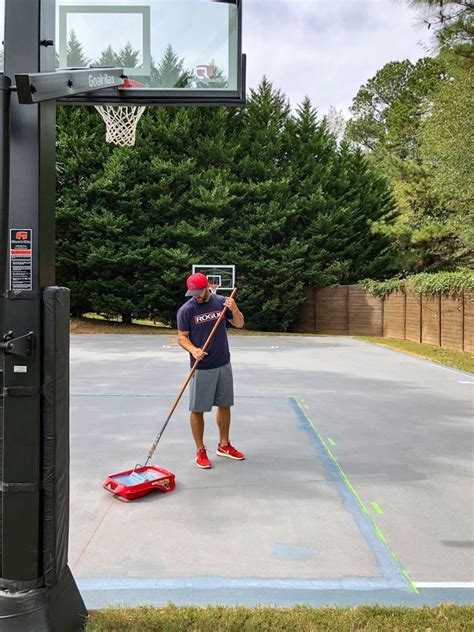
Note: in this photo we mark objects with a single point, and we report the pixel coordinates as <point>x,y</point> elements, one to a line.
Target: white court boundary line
<point>414,357</point>
<point>444,584</point>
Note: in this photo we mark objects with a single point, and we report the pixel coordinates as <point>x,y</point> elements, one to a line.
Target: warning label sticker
<point>21,259</point>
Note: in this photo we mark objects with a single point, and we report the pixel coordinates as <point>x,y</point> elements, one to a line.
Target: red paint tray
<point>140,481</point>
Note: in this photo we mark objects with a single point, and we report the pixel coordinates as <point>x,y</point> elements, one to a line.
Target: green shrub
<point>448,283</point>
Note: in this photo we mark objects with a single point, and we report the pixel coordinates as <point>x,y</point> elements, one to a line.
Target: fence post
<point>440,313</point>
<point>315,323</point>
<point>383,315</point>
<point>421,317</point>
<point>347,310</point>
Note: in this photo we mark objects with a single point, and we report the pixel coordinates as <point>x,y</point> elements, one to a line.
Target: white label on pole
<point>20,369</point>
<point>21,259</point>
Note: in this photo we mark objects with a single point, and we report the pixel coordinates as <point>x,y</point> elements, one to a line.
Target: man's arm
<point>237,319</point>
<point>187,345</point>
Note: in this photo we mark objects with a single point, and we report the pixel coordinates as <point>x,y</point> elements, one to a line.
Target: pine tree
<point>108,58</point>
<point>452,22</point>
<point>315,212</point>
<point>171,72</point>
<point>336,196</point>
<point>446,142</point>
<point>75,53</point>
<point>127,57</point>
<point>257,187</point>
<point>81,152</point>
<point>267,254</point>
<point>392,110</point>
<point>116,223</point>
<point>361,198</point>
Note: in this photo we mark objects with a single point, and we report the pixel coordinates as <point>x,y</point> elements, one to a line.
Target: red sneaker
<point>202,460</point>
<point>230,452</point>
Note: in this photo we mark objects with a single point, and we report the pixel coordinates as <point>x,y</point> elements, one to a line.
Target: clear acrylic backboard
<point>221,277</point>
<point>177,49</point>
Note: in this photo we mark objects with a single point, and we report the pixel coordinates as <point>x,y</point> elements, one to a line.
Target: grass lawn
<point>456,359</point>
<point>441,618</point>
<point>96,325</point>
<point>93,324</point>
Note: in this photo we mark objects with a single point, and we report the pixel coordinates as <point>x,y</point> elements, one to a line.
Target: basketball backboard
<point>181,51</point>
<point>221,277</point>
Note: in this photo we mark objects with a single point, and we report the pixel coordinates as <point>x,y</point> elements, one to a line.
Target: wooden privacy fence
<point>405,315</point>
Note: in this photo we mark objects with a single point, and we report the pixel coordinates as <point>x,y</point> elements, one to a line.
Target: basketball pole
<point>37,590</point>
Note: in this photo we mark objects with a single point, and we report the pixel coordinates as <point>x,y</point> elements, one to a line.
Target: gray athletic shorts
<point>211,387</point>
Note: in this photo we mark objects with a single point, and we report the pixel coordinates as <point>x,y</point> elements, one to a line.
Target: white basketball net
<point>121,122</point>
<point>213,287</point>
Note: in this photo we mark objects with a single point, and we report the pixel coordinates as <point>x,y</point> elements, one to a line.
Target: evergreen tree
<point>118,254</point>
<point>81,153</point>
<point>387,111</point>
<point>171,72</point>
<point>127,57</point>
<point>268,255</point>
<point>337,195</point>
<point>75,53</point>
<point>446,150</point>
<point>392,110</point>
<point>453,24</point>
<point>362,197</point>
<point>256,187</point>
<point>108,57</point>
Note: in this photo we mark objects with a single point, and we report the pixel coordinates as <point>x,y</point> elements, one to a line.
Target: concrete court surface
<point>357,487</point>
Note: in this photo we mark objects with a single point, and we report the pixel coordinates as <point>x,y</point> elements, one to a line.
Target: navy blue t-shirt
<point>199,319</point>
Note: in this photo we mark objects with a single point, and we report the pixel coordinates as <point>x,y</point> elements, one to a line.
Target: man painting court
<point>212,382</point>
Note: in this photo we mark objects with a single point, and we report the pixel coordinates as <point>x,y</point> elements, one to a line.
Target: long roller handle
<point>188,379</point>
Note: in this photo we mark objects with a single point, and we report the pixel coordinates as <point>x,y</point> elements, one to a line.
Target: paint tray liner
<point>140,481</point>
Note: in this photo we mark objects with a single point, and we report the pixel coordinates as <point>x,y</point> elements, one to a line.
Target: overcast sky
<point>327,49</point>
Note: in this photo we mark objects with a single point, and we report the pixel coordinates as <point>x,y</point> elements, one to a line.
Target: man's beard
<point>205,298</point>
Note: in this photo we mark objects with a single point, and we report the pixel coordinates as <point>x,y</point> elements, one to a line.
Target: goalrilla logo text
<point>205,318</point>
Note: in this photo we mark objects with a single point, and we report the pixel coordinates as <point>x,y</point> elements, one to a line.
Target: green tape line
<point>347,482</point>
<point>377,508</point>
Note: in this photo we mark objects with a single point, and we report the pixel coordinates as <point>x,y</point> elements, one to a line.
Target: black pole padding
<point>55,416</point>
<point>52,602</point>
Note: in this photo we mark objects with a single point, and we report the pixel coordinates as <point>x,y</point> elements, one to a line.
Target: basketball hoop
<point>214,287</point>
<point>121,120</point>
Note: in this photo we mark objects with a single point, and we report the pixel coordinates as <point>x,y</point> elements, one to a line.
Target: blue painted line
<point>247,583</point>
<point>390,570</point>
<point>97,599</point>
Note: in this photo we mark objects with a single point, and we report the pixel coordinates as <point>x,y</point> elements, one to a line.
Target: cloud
<point>326,50</point>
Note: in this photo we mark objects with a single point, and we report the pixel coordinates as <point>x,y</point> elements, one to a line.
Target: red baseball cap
<point>196,283</point>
